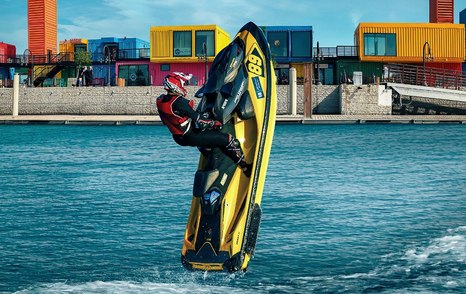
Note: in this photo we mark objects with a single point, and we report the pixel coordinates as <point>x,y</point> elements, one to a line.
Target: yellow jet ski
<point>225,212</point>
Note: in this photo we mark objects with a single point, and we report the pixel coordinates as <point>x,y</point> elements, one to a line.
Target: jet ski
<point>225,213</point>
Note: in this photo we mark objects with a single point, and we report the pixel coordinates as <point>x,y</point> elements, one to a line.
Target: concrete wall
<point>343,99</point>
<point>365,100</point>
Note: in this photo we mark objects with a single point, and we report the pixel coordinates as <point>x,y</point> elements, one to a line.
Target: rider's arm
<point>181,106</point>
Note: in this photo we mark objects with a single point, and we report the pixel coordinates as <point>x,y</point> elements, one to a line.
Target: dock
<point>281,119</point>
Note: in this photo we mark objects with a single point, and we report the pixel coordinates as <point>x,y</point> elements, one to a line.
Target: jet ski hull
<point>225,214</point>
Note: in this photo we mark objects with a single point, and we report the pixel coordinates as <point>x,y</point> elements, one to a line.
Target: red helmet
<point>174,83</point>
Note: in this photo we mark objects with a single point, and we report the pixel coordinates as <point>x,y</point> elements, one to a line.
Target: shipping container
<point>42,27</point>
<point>120,48</point>
<point>289,43</point>
<point>463,16</point>
<point>42,70</point>
<point>100,71</point>
<point>446,66</point>
<point>410,42</point>
<point>131,48</point>
<point>70,47</point>
<point>158,71</point>
<point>7,52</point>
<point>345,69</point>
<point>441,11</point>
<point>96,47</point>
<point>135,73</point>
<point>4,73</point>
<point>169,44</point>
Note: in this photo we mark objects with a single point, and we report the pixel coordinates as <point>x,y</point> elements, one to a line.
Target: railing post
<point>292,91</point>
<point>15,95</point>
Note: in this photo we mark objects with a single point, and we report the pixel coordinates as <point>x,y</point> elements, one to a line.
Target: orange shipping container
<point>42,26</point>
<point>404,42</point>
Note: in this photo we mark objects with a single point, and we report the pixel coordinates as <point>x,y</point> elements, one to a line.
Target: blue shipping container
<point>101,72</point>
<point>290,44</point>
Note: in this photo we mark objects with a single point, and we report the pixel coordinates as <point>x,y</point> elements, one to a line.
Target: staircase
<point>50,71</point>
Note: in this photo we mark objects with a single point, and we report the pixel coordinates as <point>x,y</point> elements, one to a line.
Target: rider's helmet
<point>174,83</point>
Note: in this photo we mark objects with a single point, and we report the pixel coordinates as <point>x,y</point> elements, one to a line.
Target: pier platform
<point>281,119</point>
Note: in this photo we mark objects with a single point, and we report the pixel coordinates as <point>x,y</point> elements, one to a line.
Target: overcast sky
<point>333,21</point>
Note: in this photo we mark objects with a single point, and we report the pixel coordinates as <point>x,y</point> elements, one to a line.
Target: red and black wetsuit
<point>177,113</point>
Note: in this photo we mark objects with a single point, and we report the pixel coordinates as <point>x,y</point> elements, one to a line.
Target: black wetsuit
<point>196,137</point>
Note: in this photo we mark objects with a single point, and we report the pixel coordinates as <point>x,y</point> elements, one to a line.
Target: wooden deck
<point>281,119</point>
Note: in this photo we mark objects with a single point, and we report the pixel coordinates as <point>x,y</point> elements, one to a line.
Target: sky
<point>333,21</point>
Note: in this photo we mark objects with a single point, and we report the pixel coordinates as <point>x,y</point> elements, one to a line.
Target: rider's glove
<point>208,124</point>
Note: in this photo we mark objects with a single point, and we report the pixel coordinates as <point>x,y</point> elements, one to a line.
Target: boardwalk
<point>155,120</point>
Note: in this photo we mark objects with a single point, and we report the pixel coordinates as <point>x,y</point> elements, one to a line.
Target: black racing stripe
<point>260,38</point>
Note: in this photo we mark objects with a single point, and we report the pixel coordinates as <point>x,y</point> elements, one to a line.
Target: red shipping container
<point>448,67</point>
<point>441,11</point>
<point>7,51</point>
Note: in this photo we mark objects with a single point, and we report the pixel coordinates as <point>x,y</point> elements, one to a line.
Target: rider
<point>189,128</point>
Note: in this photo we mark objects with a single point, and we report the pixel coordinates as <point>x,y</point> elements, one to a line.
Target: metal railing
<point>338,51</point>
<point>424,76</point>
<point>122,54</point>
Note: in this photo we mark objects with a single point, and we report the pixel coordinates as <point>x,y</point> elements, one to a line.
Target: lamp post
<point>426,58</point>
<point>203,57</point>
<point>318,82</point>
<point>318,58</point>
<point>28,58</point>
<point>108,59</point>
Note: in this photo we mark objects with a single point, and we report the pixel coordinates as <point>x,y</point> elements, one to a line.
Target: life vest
<point>177,124</point>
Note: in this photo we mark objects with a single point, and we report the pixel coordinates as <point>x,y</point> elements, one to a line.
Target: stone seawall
<point>127,100</point>
<point>327,99</point>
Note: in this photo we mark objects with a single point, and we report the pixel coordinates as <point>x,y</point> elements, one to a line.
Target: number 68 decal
<point>255,63</point>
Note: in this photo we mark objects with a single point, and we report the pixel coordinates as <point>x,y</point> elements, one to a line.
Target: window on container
<point>369,44</point>
<point>135,75</point>
<point>164,67</point>
<point>278,42</point>
<point>301,44</point>
<point>380,44</point>
<point>182,44</point>
<point>391,45</point>
<point>207,38</point>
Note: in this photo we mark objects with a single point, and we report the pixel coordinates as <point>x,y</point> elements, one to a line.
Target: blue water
<point>346,209</point>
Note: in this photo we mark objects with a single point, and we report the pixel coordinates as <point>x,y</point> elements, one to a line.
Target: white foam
<point>126,287</point>
<point>452,247</point>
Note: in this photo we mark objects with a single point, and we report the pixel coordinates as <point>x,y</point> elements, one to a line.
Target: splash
<point>124,287</point>
<point>449,248</point>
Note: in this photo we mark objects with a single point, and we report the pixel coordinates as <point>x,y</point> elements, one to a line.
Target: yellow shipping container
<point>186,46</point>
<point>299,69</point>
<point>71,46</point>
<point>42,70</point>
<point>375,42</point>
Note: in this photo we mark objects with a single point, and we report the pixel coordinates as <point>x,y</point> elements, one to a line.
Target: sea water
<point>346,209</point>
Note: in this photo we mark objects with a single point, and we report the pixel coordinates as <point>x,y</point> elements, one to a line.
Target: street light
<point>319,57</point>
<point>203,57</point>
<point>28,60</point>
<point>426,58</point>
<point>108,59</point>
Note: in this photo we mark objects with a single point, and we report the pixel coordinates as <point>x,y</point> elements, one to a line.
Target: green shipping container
<point>68,72</point>
<point>370,70</point>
